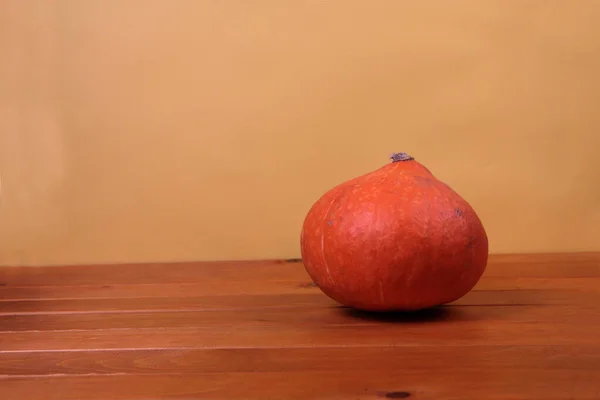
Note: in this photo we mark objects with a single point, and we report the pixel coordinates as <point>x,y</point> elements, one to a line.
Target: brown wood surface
<point>261,330</point>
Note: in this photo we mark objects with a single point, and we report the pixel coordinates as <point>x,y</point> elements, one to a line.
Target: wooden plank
<point>308,316</point>
<point>549,265</point>
<point>206,288</point>
<point>545,258</point>
<point>153,273</point>
<point>342,358</point>
<point>310,299</point>
<point>196,303</point>
<point>210,288</point>
<point>576,265</point>
<point>261,330</point>
<point>416,333</point>
<point>450,383</point>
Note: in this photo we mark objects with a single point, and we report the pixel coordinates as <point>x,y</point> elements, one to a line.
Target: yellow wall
<point>179,130</point>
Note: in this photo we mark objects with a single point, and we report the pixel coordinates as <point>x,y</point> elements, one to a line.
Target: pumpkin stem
<point>401,157</point>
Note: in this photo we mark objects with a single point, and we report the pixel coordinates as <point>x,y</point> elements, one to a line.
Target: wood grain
<point>451,383</point>
<point>419,333</point>
<point>277,317</point>
<point>289,359</point>
<point>260,329</point>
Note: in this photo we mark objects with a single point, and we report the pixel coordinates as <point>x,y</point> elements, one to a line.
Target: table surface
<point>262,330</point>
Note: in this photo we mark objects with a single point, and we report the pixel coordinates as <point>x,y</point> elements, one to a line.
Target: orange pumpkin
<point>394,239</point>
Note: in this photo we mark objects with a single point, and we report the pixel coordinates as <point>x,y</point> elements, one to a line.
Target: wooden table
<point>261,330</point>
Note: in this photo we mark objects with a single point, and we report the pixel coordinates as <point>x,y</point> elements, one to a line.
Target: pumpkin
<point>394,239</point>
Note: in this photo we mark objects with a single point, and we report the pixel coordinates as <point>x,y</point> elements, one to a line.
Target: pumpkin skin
<point>394,239</point>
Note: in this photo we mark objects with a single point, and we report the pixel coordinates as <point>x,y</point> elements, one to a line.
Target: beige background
<point>189,130</point>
